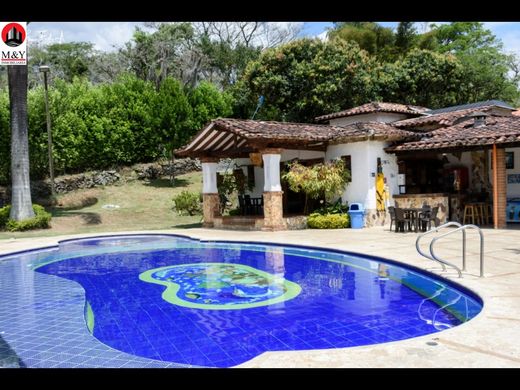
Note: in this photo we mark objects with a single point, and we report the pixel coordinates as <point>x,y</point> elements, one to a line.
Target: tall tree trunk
<point>21,204</point>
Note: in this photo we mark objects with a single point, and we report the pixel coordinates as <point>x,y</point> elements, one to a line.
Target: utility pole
<point>45,70</point>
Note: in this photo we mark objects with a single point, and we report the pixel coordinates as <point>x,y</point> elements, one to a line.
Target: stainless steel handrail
<point>463,229</point>
<point>443,262</point>
<point>435,231</point>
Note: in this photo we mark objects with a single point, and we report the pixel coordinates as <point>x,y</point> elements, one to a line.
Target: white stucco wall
<point>513,189</point>
<point>290,154</point>
<point>385,117</point>
<point>362,188</point>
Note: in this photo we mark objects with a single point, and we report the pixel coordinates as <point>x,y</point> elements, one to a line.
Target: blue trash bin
<point>357,215</point>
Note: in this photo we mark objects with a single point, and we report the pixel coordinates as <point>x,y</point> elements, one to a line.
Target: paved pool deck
<point>492,339</point>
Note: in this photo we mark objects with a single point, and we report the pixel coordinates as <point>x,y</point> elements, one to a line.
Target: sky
<point>109,35</point>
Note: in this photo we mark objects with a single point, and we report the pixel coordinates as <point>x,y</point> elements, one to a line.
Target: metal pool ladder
<point>443,262</point>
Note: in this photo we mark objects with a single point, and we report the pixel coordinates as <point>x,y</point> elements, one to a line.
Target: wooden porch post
<point>495,188</point>
<point>499,188</point>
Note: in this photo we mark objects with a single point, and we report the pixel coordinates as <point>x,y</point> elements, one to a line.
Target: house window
<point>250,176</point>
<point>348,164</point>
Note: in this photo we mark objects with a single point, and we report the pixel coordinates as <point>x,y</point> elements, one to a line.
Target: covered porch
<point>467,170</point>
<point>258,150</point>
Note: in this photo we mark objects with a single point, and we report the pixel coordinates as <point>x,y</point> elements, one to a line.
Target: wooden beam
<point>495,188</point>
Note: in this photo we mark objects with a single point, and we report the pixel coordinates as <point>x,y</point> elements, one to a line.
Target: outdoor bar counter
<point>439,199</point>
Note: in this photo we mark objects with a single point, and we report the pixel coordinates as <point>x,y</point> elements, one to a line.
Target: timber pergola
<point>493,133</point>
<point>234,138</point>
<point>237,138</point>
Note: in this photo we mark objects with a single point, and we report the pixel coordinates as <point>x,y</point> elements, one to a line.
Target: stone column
<point>273,204</point>
<point>210,198</point>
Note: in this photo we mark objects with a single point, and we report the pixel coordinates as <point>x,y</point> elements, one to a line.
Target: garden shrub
<point>188,203</point>
<point>4,215</point>
<point>235,212</point>
<point>336,208</point>
<point>328,221</point>
<point>40,221</point>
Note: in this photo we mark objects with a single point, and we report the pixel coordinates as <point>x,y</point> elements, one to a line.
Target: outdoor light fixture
<point>45,70</point>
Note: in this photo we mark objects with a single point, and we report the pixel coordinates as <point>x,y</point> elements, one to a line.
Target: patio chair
<point>428,217</point>
<point>391,211</point>
<point>242,204</point>
<point>401,219</point>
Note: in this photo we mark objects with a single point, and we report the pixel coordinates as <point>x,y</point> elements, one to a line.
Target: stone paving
<point>489,340</point>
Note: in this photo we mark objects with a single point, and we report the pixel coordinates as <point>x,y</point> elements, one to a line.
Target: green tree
<point>486,69</point>
<point>422,78</point>
<point>21,203</point>
<point>153,56</point>
<point>372,37</point>
<point>307,78</point>
<point>67,60</point>
<point>458,37</point>
<point>5,140</point>
<point>321,180</point>
<point>405,37</point>
<point>207,103</point>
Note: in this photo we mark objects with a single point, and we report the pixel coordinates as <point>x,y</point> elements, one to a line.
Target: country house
<point>449,158</point>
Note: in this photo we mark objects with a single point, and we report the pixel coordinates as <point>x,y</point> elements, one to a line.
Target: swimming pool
<point>219,304</point>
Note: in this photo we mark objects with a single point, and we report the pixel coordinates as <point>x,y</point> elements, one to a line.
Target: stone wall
<point>417,201</point>
<point>374,217</point>
<point>210,208</point>
<point>273,211</point>
<point>67,183</point>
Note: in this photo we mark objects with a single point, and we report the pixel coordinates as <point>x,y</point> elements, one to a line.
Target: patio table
<point>413,213</point>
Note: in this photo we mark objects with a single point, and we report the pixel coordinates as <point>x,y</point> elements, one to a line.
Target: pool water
<point>219,304</point>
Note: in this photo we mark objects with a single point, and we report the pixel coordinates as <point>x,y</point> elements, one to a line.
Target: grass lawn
<point>142,206</point>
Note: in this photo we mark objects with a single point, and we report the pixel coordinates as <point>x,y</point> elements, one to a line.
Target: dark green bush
<point>336,208</point>
<point>328,221</point>
<point>105,125</point>
<point>235,212</point>
<point>40,221</point>
<point>188,203</point>
<point>4,215</point>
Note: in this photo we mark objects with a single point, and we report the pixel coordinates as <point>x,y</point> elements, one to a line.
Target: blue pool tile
<point>131,316</point>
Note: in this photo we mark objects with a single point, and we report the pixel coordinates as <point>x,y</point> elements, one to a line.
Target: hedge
<point>328,221</point>
<point>40,221</point>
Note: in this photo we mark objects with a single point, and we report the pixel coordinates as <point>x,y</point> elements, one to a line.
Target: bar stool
<point>470,210</point>
<point>485,214</point>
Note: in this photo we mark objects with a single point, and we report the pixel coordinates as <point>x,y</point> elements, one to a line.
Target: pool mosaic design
<point>169,301</point>
<point>220,286</point>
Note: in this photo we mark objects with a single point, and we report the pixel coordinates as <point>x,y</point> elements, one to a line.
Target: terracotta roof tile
<point>444,119</point>
<point>253,129</point>
<point>497,130</point>
<point>378,130</point>
<point>216,136</point>
<point>374,107</point>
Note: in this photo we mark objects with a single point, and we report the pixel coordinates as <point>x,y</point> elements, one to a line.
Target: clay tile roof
<point>497,130</point>
<point>362,130</point>
<point>253,129</point>
<point>374,107</point>
<point>497,103</point>
<point>443,118</point>
<point>517,112</point>
<point>227,134</point>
